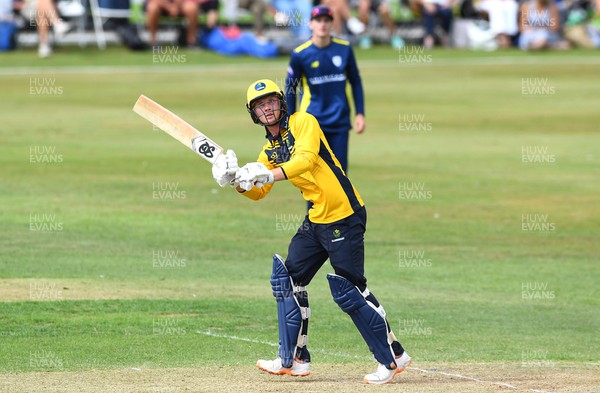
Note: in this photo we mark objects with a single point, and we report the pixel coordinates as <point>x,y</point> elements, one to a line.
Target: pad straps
<point>369,319</point>
<point>292,314</point>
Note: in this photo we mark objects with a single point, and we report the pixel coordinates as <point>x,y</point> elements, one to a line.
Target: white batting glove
<point>225,168</point>
<point>254,174</point>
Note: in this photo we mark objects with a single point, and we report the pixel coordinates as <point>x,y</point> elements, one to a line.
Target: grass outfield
<point>119,252</point>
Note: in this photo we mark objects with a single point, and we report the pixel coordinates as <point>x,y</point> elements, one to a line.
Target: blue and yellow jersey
<point>323,75</point>
<point>303,154</point>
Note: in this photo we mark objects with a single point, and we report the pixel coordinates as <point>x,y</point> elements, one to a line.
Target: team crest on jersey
<point>337,61</point>
<point>315,64</point>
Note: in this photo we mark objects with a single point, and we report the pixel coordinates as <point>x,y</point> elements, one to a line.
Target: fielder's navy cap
<point>321,10</point>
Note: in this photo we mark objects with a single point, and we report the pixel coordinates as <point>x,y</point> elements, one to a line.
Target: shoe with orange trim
<point>384,375</point>
<point>298,369</point>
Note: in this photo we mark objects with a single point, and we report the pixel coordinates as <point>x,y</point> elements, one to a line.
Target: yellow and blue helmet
<point>262,88</point>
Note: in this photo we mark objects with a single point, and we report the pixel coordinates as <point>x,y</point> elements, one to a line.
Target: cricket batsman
<point>296,150</point>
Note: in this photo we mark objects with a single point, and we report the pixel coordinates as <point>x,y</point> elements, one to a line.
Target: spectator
<point>189,9</point>
<point>594,26</point>
<point>6,10</point>
<point>43,14</point>
<point>258,8</point>
<point>295,15</point>
<point>539,26</point>
<point>382,7</point>
<point>8,27</point>
<point>578,27</point>
<point>503,15</point>
<point>211,9</point>
<point>432,11</point>
<point>341,14</point>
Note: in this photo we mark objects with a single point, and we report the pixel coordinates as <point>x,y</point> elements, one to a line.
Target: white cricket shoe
<point>44,50</point>
<point>355,26</point>
<point>299,368</point>
<point>61,28</point>
<point>383,375</point>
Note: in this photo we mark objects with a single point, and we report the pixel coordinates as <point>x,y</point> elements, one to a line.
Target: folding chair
<point>104,9</point>
<point>75,11</point>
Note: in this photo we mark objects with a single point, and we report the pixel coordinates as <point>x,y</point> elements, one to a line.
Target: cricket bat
<point>178,128</point>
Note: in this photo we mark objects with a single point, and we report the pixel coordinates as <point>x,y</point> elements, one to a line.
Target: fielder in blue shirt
<point>322,68</point>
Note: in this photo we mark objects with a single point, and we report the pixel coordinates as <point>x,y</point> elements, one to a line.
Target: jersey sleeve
<point>356,83</point>
<point>292,80</point>
<point>306,131</point>
<point>259,193</point>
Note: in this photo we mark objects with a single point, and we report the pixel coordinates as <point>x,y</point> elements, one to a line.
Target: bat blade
<point>179,129</point>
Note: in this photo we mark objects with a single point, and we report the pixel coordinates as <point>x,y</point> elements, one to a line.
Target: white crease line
<point>249,340</point>
<point>503,384</point>
<point>272,344</point>
<point>465,377</point>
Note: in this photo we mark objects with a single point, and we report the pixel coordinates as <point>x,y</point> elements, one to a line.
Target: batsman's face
<point>268,109</point>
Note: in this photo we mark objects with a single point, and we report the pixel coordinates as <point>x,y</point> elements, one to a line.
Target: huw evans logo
<point>44,155</point>
<point>413,55</point>
<point>44,87</point>
<point>167,190</point>
<point>537,155</point>
<point>537,86</point>
<point>413,191</point>
<point>167,259</point>
<point>43,358</point>
<point>289,222</point>
<point>167,54</point>
<point>44,290</point>
<point>536,223</point>
<point>414,327</point>
<point>414,259</point>
<point>167,327</point>
<point>44,223</point>
<point>414,123</point>
<point>536,291</point>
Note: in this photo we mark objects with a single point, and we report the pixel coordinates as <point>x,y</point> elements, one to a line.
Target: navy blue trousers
<point>338,142</point>
<point>342,242</point>
<point>429,20</point>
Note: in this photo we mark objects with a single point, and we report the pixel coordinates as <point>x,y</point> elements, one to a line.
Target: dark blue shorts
<point>342,242</point>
